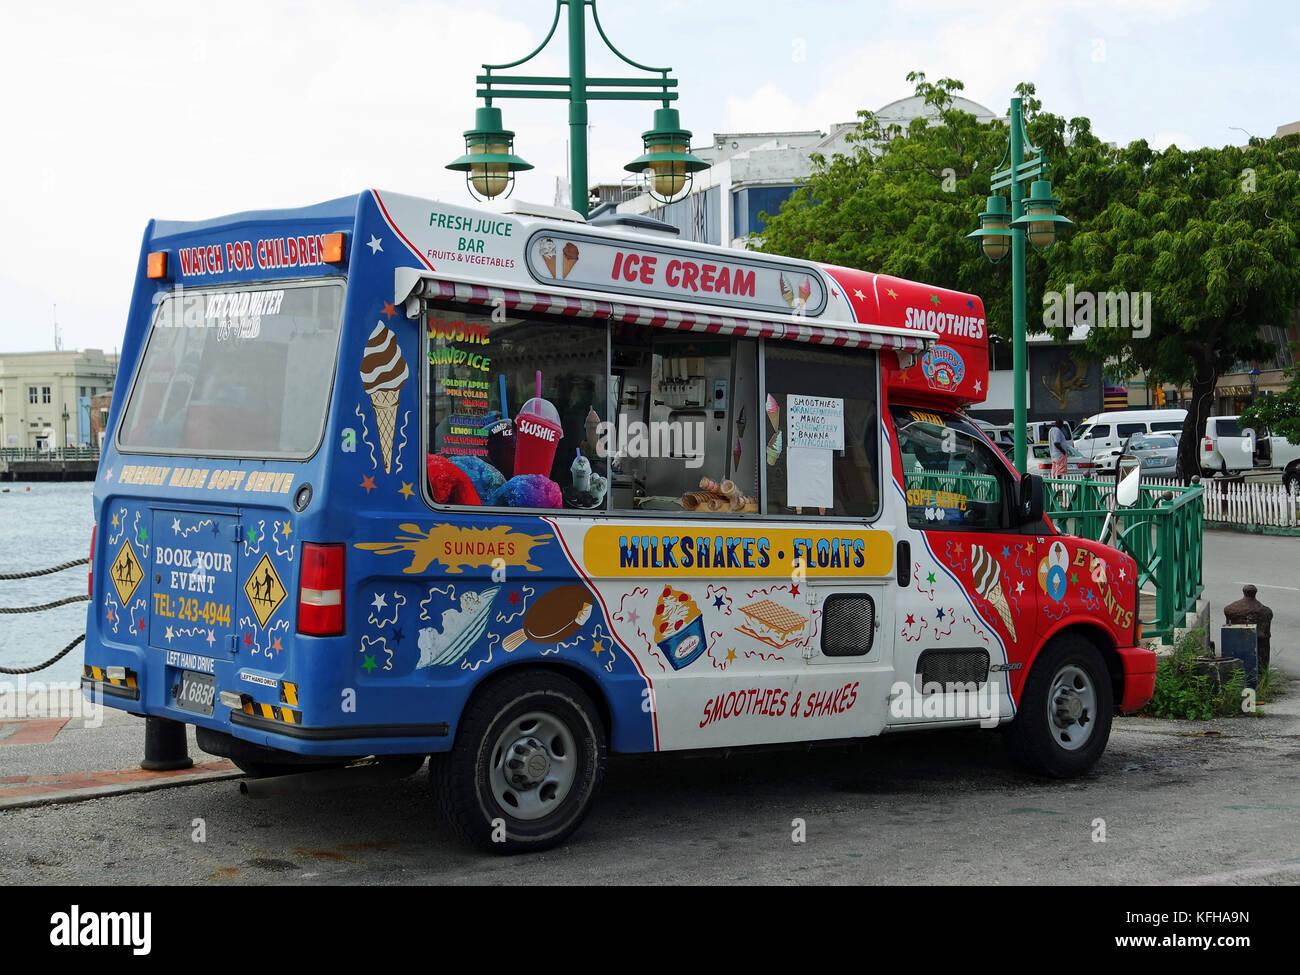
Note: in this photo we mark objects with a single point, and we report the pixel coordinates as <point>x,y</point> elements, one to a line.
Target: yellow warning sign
<point>126,572</point>
<point>265,590</point>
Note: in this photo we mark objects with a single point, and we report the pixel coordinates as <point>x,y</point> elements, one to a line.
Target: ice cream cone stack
<point>383,374</point>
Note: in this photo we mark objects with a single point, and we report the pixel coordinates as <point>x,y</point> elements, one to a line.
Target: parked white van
<point>1228,447</point>
<point>1101,438</point>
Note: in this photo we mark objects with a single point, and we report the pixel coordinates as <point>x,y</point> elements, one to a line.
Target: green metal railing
<point>1162,533</point>
<point>54,453</point>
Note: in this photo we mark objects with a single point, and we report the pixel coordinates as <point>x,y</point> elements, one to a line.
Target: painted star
<point>275,645</point>
<point>140,625</point>
<point>287,530</point>
<point>794,590</point>
<point>978,386</point>
<point>935,299</point>
<point>1123,574</point>
<point>368,483</point>
<point>115,521</point>
<point>211,638</point>
<point>176,526</point>
<point>731,654</point>
<point>144,534</point>
<point>248,639</point>
<point>940,613</point>
<point>930,578</point>
<point>633,616</point>
<point>1074,578</point>
<point>397,634</point>
<point>216,529</point>
<point>168,635</point>
<point>110,615</point>
<point>108,474</point>
<point>597,647</point>
<point>1087,594</point>
<point>961,549</point>
<point>1020,588</point>
<point>406,490</point>
<point>892,293</point>
<point>718,602</point>
<point>910,619</point>
<point>379,601</point>
<point>252,535</point>
<point>375,244</point>
<point>859,295</point>
<point>369,663</point>
<point>514,597</point>
<point>970,304</point>
<point>388,311</point>
<point>1029,548</point>
<point>903,376</point>
<point>1006,552</point>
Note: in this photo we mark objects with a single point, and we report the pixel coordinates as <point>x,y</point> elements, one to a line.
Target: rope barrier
<point>36,609</point>
<point>53,660</point>
<point>7,577</point>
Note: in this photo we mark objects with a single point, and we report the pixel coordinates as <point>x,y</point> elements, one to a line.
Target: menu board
<point>815,421</point>
<point>460,357</point>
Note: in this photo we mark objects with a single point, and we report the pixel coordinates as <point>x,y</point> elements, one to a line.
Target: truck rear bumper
<point>1139,665</point>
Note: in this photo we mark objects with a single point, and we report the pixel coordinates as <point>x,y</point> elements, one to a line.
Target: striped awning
<point>818,332</point>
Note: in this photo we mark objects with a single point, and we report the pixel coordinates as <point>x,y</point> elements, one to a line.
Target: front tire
<point>528,762</point>
<point>1291,480</point>
<point>1065,711</point>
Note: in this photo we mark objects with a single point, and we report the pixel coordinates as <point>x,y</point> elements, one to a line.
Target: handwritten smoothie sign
<point>815,421</point>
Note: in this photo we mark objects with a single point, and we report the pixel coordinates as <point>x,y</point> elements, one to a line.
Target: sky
<point>118,112</point>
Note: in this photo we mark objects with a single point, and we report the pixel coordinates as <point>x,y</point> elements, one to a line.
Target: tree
<point>1213,236</point>
<point>1278,413</point>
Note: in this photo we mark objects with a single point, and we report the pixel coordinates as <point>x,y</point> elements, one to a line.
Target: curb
<point>1224,526</point>
<point>48,790</point>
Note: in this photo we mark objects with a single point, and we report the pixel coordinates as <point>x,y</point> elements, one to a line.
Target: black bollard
<point>1249,610</point>
<point>165,747</point>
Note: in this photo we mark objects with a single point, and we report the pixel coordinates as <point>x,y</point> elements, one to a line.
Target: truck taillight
<point>320,590</point>
<point>1207,445</point>
<point>90,565</point>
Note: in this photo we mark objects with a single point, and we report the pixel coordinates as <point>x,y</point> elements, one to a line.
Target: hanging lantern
<point>489,163</point>
<point>1040,216</point>
<point>667,158</point>
<point>994,234</point>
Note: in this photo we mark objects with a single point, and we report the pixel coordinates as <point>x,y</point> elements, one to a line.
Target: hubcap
<point>534,764</point>
<point>1072,707</point>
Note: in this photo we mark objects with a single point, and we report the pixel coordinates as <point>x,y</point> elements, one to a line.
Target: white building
<point>45,396</point>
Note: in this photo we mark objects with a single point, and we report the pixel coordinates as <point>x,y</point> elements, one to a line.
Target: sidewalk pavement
<point>57,747</point>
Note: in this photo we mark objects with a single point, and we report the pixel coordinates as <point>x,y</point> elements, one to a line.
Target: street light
<point>1002,230</point>
<point>65,425</point>
<point>489,161</point>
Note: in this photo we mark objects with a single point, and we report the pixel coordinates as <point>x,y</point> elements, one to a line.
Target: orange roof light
<point>156,269</point>
<point>333,248</point>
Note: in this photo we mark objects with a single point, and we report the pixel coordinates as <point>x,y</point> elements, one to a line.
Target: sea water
<point>43,524</point>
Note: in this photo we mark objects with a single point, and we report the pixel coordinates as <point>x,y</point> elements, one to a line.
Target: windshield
<point>243,371</point>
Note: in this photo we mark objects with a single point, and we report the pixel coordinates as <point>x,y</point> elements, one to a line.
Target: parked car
<point>1039,461</point>
<point>1227,447</point>
<point>1156,453</point>
<point>1101,438</point>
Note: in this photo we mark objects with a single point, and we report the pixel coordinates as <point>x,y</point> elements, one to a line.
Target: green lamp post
<point>489,162</point>
<point>1004,231</point>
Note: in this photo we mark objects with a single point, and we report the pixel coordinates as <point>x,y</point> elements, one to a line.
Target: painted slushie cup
<point>501,437</point>
<point>537,435</point>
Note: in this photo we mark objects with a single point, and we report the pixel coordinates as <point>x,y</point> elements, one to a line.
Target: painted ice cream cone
<point>568,258</point>
<point>774,448</point>
<point>740,422</point>
<point>383,374</point>
<point>987,575</point>
<point>547,248</point>
<point>773,412</point>
<point>787,292</point>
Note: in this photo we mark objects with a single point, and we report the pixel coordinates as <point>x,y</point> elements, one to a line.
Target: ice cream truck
<point>392,477</point>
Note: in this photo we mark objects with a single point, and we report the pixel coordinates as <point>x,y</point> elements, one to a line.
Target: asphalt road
<point>1232,559</point>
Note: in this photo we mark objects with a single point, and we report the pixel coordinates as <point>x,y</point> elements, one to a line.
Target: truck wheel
<point>527,764</point>
<point>1291,480</point>
<point>1065,711</point>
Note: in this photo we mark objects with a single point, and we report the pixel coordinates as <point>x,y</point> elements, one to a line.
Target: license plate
<point>196,692</point>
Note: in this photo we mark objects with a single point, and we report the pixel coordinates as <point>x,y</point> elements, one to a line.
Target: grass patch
<point>1182,694</point>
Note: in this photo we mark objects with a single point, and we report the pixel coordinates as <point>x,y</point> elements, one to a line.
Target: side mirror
<point>1128,490</point>
<point>1031,499</point>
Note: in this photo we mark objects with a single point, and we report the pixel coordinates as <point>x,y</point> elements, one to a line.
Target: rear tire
<point>1065,711</point>
<point>528,762</point>
<point>1291,480</point>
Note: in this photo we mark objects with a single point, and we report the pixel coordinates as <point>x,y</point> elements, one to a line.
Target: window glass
<point>1126,429</point>
<point>819,428</point>
<point>31,394</point>
<point>1167,425</point>
<point>45,394</point>
<point>952,478</point>
<point>1097,432</point>
<point>687,432</point>
<point>514,410</point>
<point>1225,426</point>
<point>238,371</point>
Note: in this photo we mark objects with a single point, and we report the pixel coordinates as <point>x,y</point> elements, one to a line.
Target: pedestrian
<point>1057,445</point>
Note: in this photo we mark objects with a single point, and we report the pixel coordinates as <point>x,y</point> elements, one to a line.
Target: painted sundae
<point>678,627</point>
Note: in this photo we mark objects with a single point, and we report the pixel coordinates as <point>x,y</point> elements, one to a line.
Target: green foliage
<point>1182,694</point>
<point>1278,413</point>
<point>1213,234</point>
